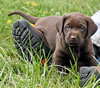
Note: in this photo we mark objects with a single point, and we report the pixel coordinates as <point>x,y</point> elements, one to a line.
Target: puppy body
<point>83,54</point>
<point>64,32</point>
<point>46,27</point>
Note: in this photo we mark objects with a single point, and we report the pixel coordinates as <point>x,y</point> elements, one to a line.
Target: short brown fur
<point>61,32</point>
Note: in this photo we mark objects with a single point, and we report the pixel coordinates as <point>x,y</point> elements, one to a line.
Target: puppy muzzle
<point>73,41</point>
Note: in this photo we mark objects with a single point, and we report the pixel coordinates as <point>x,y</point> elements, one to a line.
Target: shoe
<point>26,39</point>
<point>87,72</point>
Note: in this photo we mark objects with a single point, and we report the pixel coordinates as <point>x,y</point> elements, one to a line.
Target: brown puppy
<point>65,32</point>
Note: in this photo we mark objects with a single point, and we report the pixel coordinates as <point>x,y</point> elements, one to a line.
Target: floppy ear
<point>91,27</point>
<point>60,24</point>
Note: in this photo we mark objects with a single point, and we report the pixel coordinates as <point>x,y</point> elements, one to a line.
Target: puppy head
<point>76,28</point>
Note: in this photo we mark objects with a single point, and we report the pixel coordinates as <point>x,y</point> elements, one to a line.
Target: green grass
<point>16,73</point>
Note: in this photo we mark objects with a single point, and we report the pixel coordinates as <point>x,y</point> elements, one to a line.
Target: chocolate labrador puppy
<point>67,36</point>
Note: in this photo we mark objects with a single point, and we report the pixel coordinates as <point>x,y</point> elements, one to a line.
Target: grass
<point>15,73</point>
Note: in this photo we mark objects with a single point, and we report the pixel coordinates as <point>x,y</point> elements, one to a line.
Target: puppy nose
<point>73,37</point>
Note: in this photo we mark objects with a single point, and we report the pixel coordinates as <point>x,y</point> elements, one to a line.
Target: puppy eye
<point>82,28</point>
<point>68,27</point>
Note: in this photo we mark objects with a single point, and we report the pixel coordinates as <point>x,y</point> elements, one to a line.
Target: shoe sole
<point>25,37</point>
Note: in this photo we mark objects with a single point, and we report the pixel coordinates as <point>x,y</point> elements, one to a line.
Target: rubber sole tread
<point>26,39</point>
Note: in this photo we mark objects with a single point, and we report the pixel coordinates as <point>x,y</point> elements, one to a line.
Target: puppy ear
<point>91,26</point>
<point>60,24</point>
